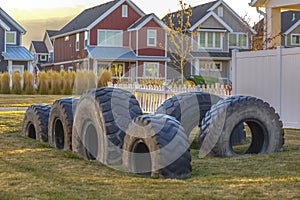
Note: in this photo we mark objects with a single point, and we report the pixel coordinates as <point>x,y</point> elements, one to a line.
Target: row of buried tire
<point>108,125</point>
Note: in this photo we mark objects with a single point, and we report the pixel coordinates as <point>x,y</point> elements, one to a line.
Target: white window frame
<point>153,63</point>
<point>148,38</point>
<point>297,35</point>
<point>70,68</point>
<point>15,37</point>
<point>213,66</point>
<point>124,11</point>
<point>43,59</point>
<point>77,42</point>
<point>220,11</point>
<point>237,34</point>
<point>106,31</point>
<point>214,40</point>
<point>109,67</point>
<point>67,38</point>
<point>86,39</point>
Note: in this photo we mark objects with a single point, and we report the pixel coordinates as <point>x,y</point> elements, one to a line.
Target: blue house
<point>13,56</point>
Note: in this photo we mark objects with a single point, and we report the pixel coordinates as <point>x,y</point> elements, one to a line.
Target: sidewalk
<point>6,109</point>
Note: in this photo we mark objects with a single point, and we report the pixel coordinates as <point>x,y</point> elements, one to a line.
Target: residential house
<point>13,57</point>
<point>117,36</point>
<point>290,30</point>
<point>43,50</point>
<point>219,30</point>
<point>272,14</point>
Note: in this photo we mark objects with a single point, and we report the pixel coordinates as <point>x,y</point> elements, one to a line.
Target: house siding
<point>289,39</point>
<point>133,40</point>
<point>144,50</point>
<point>115,21</point>
<point>12,28</point>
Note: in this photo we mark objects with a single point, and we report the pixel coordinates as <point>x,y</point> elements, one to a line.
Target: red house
<point>117,36</point>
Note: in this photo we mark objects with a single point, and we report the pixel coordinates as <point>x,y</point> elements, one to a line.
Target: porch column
<point>273,26</point>
<point>197,67</point>
<point>95,66</point>
<point>9,69</point>
<point>30,66</point>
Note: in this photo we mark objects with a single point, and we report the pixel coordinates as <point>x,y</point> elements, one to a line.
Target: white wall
<point>272,75</point>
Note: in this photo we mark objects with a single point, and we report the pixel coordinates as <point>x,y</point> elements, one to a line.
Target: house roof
<point>289,21</point>
<point>91,16</point>
<point>211,55</point>
<point>17,53</point>
<point>12,21</point>
<point>144,20</point>
<point>40,47</point>
<point>119,53</point>
<point>198,12</point>
<point>51,32</point>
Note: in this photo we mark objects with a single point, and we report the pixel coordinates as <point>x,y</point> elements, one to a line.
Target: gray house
<point>13,56</point>
<point>221,30</point>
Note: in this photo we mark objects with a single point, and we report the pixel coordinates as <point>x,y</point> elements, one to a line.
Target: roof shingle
<point>40,47</point>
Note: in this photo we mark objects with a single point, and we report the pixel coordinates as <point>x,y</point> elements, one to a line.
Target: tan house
<point>272,14</point>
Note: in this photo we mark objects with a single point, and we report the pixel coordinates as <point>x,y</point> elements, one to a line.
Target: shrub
<point>28,86</point>
<point>43,83</point>
<point>16,83</point>
<point>104,77</point>
<point>84,80</point>
<point>92,80</point>
<point>67,82</point>
<point>5,81</point>
<point>55,82</point>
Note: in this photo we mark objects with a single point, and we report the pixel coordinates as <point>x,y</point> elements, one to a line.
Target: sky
<point>41,9</point>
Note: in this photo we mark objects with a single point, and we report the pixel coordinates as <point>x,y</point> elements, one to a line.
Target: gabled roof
<point>12,21</point>
<point>140,23</point>
<point>204,11</point>
<point>92,16</point>
<point>51,33</point>
<point>289,21</point>
<point>40,47</point>
<point>4,26</point>
<point>17,53</point>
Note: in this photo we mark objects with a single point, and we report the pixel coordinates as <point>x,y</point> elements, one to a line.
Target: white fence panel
<point>272,75</point>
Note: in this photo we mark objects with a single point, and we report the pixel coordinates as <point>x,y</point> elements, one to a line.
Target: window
<point>86,38</point>
<point>77,42</point>
<point>110,38</point>
<point>211,40</point>
<point>71,68</point>
<point>220,12</point>
<point>238,40</point>
<point>67,38</point>
<point>210,66</point>
<point>43,58</point>
<point>151,38</point>
<point>151,69</point>
<point>117,69</point>
<point>295,39</point>
<point>11,37</point>
<point>124,11</point>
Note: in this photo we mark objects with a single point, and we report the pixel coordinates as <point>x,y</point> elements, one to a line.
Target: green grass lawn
<point>33,170</point>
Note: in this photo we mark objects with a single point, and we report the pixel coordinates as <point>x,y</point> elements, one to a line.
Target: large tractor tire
<point>61,123</point>
<point>101,119</point>
<point>225,117</point>
<point>188,108</point>
<point>35,123</point>
<point>156,145</point>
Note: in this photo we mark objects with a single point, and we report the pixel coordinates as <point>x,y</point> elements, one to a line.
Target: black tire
<point>156,145</point>
<point>188,108</point>
<point>223,119</point>
<point>35,123</point>
<point>101,119</point>
<point>61,123</point>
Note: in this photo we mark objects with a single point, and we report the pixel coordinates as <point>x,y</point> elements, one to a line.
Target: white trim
<point>211,14</point>
<point>147,20</point>
<point>137,42</point>
<point>213,30</point>
<point>295,34</point>
<point>232,11</point>
<point>155,38</point>
<point>69,33</point>
<point>109,11</point>
<point>15,37</point>
<point>12,21</point>
<point>213,42</point>
<point>166,44</point>
<point>238,40</point>
<point>296,25</point>
<point>220,11</point>
<point>106,31</point>
<point>144,69</point>
<point>5,26</point>
<point>45,59</point>
<point>86,33</point>
<point>70,61</point>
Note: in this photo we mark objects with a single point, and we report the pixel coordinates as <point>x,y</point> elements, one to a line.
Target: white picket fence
<point>151,97</point>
